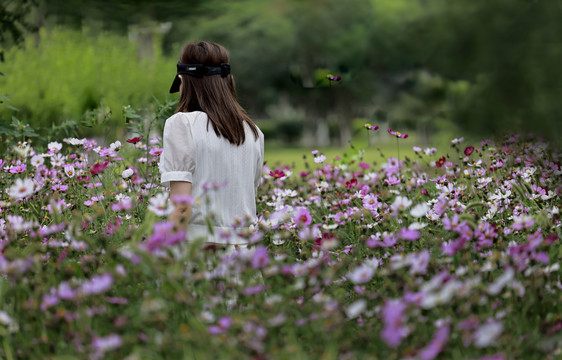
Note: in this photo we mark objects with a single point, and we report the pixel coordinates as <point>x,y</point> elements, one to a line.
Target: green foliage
<point>68,74</point>
<point>486,66</point>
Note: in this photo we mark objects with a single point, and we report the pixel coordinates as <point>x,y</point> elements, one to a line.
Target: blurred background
<point>436,69</point>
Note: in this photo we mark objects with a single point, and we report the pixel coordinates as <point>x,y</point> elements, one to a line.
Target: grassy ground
<point>377,149</point>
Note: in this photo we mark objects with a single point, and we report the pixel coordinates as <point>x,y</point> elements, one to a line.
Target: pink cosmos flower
<point>156,151</point>
<point>260,258</point>
<point>223,324</point>
<point>277,174</point>
<point>392,180</point>
<point>371,127</point>
<point>397,134</point>
<point>468,150</point>
<point>302,216</point>
<point>370,202</point>
<point>394,322</point>
<point>408,234</point>
<point>439,340</point>
<point>96,285</point>
<point>18,169</point>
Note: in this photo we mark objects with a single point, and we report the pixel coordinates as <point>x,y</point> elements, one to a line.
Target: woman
<point>213,151</point>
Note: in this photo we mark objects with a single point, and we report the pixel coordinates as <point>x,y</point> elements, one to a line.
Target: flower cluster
<point>448,256</point>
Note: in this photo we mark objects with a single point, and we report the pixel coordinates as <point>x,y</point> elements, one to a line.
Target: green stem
<point>398,147</point>
<point>8,349</point>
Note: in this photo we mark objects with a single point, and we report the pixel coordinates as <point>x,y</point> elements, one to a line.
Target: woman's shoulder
<point>182,117</point>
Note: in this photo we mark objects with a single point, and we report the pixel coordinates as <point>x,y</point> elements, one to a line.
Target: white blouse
<point>224,177</point>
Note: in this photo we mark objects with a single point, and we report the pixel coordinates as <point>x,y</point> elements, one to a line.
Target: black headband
<point>198,70</point>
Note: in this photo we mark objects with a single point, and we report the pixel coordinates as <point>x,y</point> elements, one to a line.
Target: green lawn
<point>381,147</point>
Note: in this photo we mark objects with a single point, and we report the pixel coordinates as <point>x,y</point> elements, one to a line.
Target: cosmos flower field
<point>453,254</point>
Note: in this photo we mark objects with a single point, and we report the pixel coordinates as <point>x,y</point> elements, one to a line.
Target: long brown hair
<point>214,95</point>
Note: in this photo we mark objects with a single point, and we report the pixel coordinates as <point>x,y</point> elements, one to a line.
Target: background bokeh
<point>434,68</point>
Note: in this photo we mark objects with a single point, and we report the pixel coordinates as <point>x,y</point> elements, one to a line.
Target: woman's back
<point>224,176</point>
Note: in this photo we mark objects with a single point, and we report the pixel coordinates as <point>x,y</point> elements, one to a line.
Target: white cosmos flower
<point>74,141</point>
<point>417,226</point>
<point>501,282</point>
<point>419,210</point>
<point>355,309</point>
<point>69,171</point>
<point>430,151</point>
<point>361,274</point>
<point>487,334</point>
<point>400,203</point>
<point>54,147</point>
<point>57,160</point>
<point>159,205</point>
<point>320,159</point>
<point>37,160</point>
<point>115,146</point>
<point>21,188</point>
<point>127,173</point>
<point>23,149</point>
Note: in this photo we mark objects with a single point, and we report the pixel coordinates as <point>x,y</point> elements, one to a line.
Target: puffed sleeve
<point>259,167</point>
<point>177,161</point>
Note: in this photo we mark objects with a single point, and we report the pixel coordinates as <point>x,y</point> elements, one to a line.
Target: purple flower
<point>302,216</point>
<point>393,318</point>
<point>252,290</point>
<point>18,169</point>
<point>437,343</point>
<point>451,247</point>
<point>260,259</point>
<point>107,343</point>
<point>97,285</point>
<point>223,324</point>
<point>410,235</point>
<point>48,301</point>
<point>419,262</point>
<point>392,180</point>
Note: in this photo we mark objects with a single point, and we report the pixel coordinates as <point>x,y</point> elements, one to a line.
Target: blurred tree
<point>509,50</point>
<point>14,23</point>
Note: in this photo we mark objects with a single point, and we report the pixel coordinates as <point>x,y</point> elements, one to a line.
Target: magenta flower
<point>468,150</point>
<point>18,169</point>
<point>371,127</point>
<point>134,140</point>
<point>156,151</point>
<point>98,168</point>
<point>277,174</point>
<point>397,134</point>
